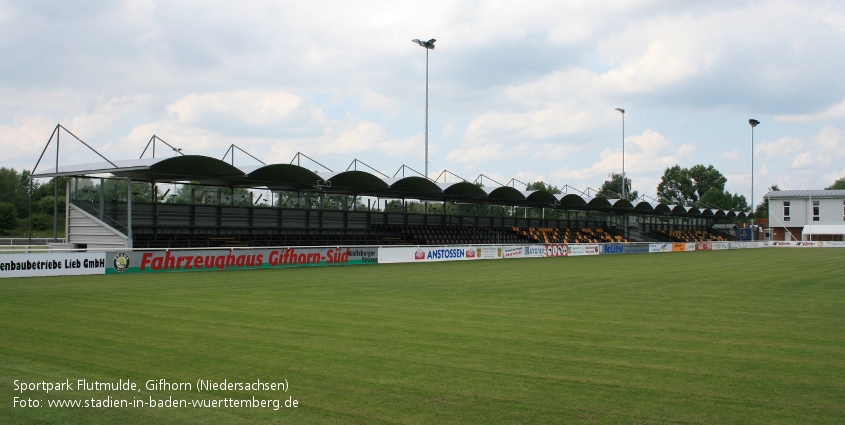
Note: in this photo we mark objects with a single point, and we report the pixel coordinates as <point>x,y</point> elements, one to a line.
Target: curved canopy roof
<point>504,194</point>
<point>354,181</point>
<point>414,184</point>
<point>463,190</point>
<point>540,197</point>
<point>571,200</point>
<point>289,177</point>
<point>283,177</point>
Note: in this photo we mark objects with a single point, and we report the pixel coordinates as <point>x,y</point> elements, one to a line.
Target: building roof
<point>806,194</point>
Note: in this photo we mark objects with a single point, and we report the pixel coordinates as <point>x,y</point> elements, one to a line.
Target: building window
<point>816,210</point>
<point>785,210</point>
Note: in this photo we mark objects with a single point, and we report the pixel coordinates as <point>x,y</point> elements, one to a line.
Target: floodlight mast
<point>753,123</point>
<point>429,45</point>
<point>624,182</point>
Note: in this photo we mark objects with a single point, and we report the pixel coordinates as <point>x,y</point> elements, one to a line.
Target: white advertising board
<point>52,264</point>
<point>660,247</point>
<point>576,250</point>
<point>436,253</point>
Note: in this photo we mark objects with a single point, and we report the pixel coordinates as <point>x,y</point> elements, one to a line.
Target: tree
<point>837,185</point>
<point>676,187</point>
<point>704,179</point>
<point>724,200</point>
<point>682,186</point>
<point>540,185</point>
<point>8,216</point>
<point>612,188</point>
<point>762,209</point>
<point>14,189</point>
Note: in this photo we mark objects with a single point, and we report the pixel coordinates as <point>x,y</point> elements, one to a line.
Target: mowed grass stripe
<point>740,337</point>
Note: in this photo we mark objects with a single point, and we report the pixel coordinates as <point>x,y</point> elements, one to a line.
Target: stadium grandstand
<point>198,201</point>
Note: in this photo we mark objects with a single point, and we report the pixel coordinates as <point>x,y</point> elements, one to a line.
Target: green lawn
<point>743,336</point>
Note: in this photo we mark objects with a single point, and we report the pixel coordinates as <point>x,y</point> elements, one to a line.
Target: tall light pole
<point>623,153</point>
<point>429,45</point>
<point>753,124</point>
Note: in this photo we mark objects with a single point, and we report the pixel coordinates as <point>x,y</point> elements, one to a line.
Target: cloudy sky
<point>517,89</point>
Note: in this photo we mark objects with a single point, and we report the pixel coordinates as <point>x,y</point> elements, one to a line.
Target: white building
<point>808,215</point>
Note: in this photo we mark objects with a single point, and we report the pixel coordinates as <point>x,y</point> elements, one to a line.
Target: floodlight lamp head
<point>620,110</point>
<point>427,44</point>
<point>753,122</point>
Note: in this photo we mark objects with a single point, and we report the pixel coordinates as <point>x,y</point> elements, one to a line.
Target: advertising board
<point>679,247</point>
<point>217,259</point>
<point>660,247</point>
<point>557,250</point>
<point>635,248</point>
<point>578,250</point>
<point>717,246</point>
<point>613,248</point>
<point>831,244</point>
<point>703,246</point>
<point>433,253</point>
<point>52,264</point>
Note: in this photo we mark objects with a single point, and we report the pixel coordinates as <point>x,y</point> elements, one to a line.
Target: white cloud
<point>653,153</point>
<point>786,146</point>
<point>835,112</point>
<point>731,154</point>
<point>477,154</point>
<point>248,107</point>
<point>539,124</point>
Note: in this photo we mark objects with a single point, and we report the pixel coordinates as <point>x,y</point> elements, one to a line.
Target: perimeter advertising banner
<point>52,264</point>
<point>198,260</point>
<point>720,246</point>
<point>523,251</point>
<point>703,246</point>
<point>578,250</point>
<point>660,247</point>
<point>831,244</point>
<point>784,243</point>
<point>626,248</point>
<point>433,253</point>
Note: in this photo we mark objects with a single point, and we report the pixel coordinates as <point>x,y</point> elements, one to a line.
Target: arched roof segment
<point>645,207</point>
<point>598,203</point>
<point>571,200</point>
<point>415,185</point>
<point>678,209</point>
<point>355,181</point>
<point>283,177</point>
<point>541,197</point>
<point>504,193</point>
<point>621,204</point>
<point>204,169</point>
<point>463,190</point>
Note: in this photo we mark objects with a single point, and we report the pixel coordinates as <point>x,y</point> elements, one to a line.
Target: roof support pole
<point>129,212</point>
<point>30,209</point>
<point>56,195</point>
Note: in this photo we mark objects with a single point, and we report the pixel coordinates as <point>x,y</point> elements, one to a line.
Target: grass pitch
<point>743,336</point>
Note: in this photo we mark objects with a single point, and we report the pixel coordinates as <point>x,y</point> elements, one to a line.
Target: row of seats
<point>379,234</point>
<point>416,234</point>
<point>555,235</point>
<point>688,236</point>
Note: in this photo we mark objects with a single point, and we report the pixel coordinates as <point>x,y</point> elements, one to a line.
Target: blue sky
<point>517,89</point>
